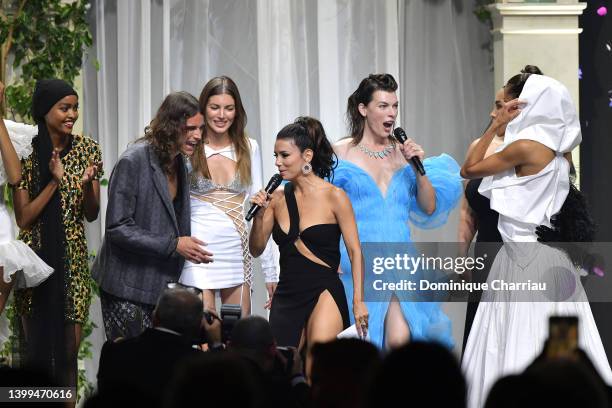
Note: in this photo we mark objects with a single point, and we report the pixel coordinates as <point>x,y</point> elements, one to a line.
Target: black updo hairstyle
<point>308,133</point>
<point>363,94</point>
<point>515,85</point>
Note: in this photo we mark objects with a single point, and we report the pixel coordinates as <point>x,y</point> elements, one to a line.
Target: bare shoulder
<point>342,146</point>
<point>525,146</point>
<point>336,195</point>
<point>472,146</point>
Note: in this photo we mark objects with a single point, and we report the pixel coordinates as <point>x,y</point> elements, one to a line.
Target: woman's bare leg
<point>397,330</point>
<point>238,295</point>
<point>324,325</point>
<point>208,298</point>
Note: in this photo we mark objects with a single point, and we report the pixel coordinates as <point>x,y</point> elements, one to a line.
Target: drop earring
<point>306,169</point>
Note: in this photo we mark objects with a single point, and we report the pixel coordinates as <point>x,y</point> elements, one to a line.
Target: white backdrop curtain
<point>289,58</point>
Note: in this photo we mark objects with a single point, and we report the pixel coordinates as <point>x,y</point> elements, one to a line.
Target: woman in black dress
<point>306,219</point>
<point>478,217</point>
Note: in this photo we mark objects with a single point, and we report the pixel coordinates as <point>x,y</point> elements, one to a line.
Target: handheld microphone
<point>401,137</point>
<point>274,182</point>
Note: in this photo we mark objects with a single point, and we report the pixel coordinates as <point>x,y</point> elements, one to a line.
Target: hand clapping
<point>90,173</point>
<point>56,167</point>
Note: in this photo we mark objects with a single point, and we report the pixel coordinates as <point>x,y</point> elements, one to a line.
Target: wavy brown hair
<point>165,131</point>
<point>363,94</point>
<point>219,86</point>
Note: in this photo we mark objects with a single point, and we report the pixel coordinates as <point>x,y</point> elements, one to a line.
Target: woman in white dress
<point>224,174</point>
<point>18,263</point>
<point>527,181</point>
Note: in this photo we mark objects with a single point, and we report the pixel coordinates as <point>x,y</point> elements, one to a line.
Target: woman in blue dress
<point>387,194</point>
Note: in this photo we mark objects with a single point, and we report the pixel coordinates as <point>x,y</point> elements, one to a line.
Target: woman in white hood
<point>527,181</point>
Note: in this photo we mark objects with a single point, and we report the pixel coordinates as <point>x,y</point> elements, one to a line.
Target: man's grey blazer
<point>138,255</point>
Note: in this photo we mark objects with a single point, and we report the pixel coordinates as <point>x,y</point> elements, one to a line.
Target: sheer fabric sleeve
<point>443,172</point>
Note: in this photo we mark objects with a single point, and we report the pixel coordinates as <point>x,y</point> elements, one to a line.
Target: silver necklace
<point>380,154</point>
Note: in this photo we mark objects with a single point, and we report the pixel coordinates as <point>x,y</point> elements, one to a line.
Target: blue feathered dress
<point>387,219</point>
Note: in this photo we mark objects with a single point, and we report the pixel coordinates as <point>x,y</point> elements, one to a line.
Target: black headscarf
<point>49,346</point>
<point>46,94</point>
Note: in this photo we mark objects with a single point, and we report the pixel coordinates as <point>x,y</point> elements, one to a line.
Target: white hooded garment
<point>549,117</point>
<point>510,327</point>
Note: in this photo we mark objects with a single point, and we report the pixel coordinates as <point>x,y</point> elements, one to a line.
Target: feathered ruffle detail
<point>21,136</point>
<point>443,172</point>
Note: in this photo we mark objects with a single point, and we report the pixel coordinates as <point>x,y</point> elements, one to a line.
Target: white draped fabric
<point>290,58</point>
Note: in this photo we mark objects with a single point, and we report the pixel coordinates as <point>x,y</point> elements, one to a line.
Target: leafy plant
<point>85,388</point>
<point>7,197</point>
<point>41,39</point>
<point>6,353</point>
<point>482,11</point>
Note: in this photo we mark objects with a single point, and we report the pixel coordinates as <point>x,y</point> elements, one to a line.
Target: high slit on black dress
<point>301,280</point>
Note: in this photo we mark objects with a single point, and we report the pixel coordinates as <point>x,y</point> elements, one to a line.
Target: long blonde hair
<point>219,86</point>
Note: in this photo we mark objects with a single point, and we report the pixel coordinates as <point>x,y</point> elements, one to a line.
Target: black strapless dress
<point>301,280</point>
<point>486,220</point>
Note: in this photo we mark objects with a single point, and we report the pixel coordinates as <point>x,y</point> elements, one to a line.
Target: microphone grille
<point>277,179</point>
<point>400,135</point>
<point>274,182</point>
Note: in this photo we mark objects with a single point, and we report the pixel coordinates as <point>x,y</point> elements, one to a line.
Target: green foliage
<point>46,39</point>
<point>482,12</point>
<point>85,388</point>
<point>6,352</point>
<point>7,196</point>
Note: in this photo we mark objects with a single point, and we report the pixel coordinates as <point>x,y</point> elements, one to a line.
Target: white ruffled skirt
<point>17,260</point>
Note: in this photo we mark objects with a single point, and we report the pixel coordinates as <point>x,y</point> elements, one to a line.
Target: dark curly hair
<point>165,130</point>
<point>308,133</point>
<point>571,228</point>
<point>363,94</point>
<point>515,85</point>
<point>573,221</point>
